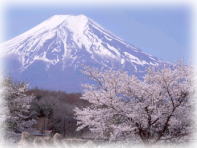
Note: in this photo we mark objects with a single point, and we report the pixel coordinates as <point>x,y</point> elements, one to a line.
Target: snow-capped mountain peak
<point>67,41</point>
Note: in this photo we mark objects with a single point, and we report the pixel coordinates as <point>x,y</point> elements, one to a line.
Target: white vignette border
<point>191,3</point>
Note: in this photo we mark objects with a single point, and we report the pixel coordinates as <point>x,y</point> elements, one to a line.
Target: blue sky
<point>161,32</point>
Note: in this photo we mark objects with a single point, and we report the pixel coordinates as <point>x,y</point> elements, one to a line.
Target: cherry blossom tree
<point>155,108</point>
<point>19,117</point>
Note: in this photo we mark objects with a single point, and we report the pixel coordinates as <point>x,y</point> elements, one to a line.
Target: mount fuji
<point>51,55</point>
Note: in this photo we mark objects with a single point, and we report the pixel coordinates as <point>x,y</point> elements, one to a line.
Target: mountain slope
<point>51,54</point>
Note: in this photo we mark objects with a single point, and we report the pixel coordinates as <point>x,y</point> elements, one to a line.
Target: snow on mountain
<point>61,44</point>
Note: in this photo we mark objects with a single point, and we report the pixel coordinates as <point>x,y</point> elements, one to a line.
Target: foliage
<point>18,102</point>
<point>58,107</point>
<point>151,109</point>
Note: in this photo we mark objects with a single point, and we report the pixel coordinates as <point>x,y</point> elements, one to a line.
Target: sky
<point>163,32</point>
